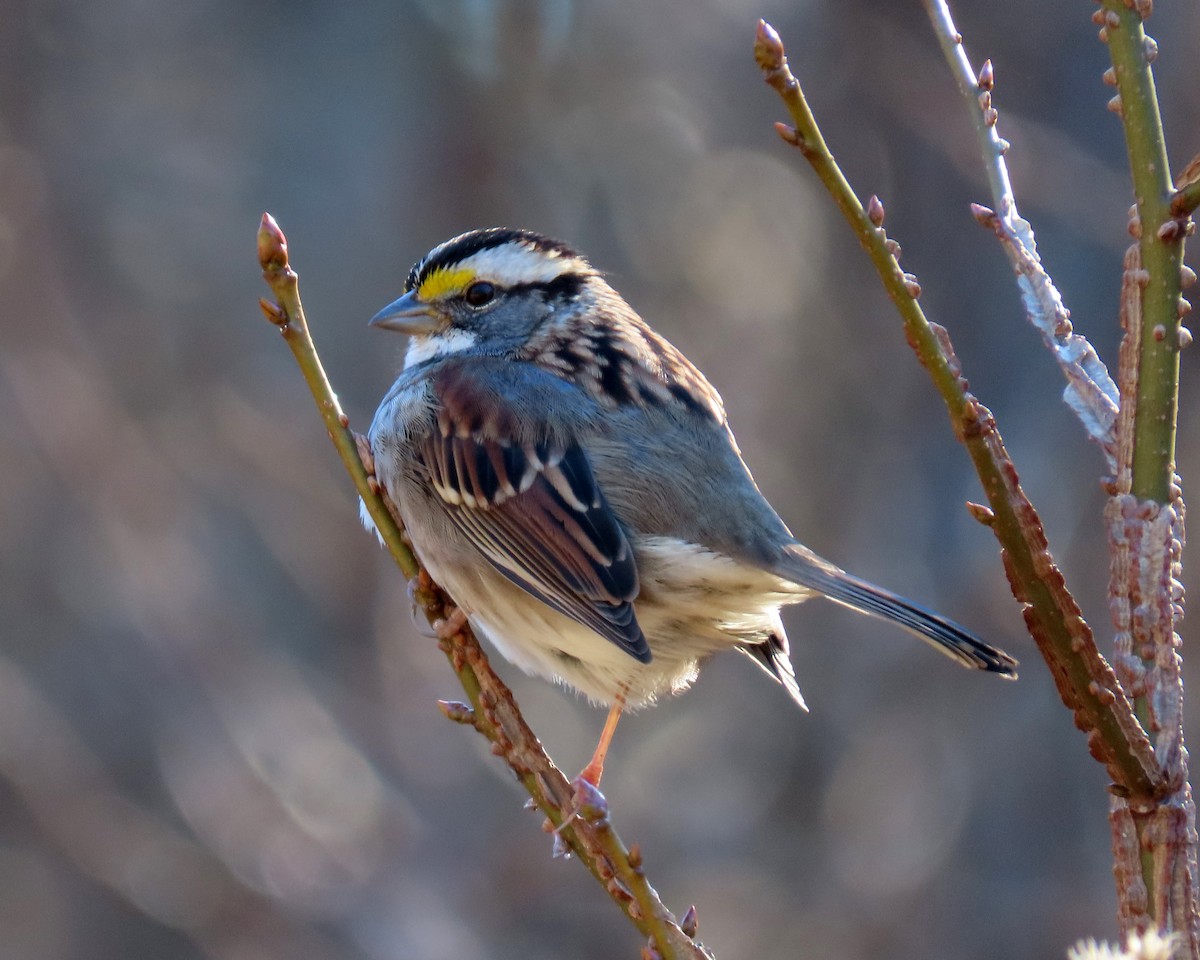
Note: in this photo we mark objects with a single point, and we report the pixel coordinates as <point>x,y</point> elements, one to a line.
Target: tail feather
<point>806,569</point>
<point>775,658</point>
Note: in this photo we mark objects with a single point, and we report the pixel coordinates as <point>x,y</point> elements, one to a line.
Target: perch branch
<point>1084,679</point>
<point>491,708</point>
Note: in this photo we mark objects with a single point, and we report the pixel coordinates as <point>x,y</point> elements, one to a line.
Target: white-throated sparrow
<point>570,478</point>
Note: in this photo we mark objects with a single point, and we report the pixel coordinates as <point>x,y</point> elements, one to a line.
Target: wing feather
<point>533,508</point>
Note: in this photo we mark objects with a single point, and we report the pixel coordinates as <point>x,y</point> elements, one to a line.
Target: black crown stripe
<point>468,244</point>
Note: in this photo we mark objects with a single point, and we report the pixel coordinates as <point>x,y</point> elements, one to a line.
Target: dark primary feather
<point>802,566</point>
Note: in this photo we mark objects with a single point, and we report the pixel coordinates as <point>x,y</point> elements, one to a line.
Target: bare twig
<point>1090,391</point>
<point>1084,679</point>
<point>491,709</point>
<point>1161,234</point>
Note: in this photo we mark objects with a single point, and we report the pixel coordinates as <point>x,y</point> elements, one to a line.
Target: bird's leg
<point>587,796</point>
<point>595,768</point>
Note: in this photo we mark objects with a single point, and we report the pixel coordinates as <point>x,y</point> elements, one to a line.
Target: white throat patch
<point>422,349</point>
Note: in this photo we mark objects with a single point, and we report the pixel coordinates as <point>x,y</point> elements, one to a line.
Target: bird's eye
<point>480,293</point>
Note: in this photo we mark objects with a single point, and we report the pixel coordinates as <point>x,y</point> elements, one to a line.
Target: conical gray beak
<point>408,315</point>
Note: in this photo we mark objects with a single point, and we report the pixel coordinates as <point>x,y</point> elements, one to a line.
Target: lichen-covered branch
<point>491,708</point>
<point>1090,391</point>
<point>1084,679</point>
<point>1157,890</point>
<point>1145,513</point>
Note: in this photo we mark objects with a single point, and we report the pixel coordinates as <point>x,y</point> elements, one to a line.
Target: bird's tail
<point>806,569</point>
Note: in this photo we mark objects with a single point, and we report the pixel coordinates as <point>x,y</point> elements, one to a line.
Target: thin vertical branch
<point>1146,511</point>
<point>1161,239</point>
<point>1090,391</point>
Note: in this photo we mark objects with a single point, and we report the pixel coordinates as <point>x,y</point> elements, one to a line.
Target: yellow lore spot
<point>444,283</point>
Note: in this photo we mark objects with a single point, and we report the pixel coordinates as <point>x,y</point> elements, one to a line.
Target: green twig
<point>1161,243</point>
<point>1084,679</point>
<point>491,709</point>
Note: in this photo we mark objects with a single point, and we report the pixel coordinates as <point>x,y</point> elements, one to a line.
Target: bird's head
<point>486,292</point>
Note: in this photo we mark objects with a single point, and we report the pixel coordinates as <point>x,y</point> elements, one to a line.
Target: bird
<point>570,478</point>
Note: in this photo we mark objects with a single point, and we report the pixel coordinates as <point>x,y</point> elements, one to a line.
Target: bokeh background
<point>218,736</point>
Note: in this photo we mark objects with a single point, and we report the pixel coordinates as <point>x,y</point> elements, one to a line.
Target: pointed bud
<point>1150,49</point>
<point>1115,106</point>
<point>875,211</point>
<point>1103,35</point>
<point>981,513</point>
<point>985,100</point>
<point>1187,277</point>
<point>1169,231</point>
<point>789,133</point>
<point>635,856</point>
<point>1112,19</point>
<point>985,215</point>
<point>1003,144</point>
<point>1109,77</point>
<point>912,286</point>
<point>272,311</point>
<point>1185,337</point>
<point>1098,17</point>
<point>457,711</point>
<point>892,247</point>
<point>1183,307</point>
<point>768,48</point>
<point>990,116</point>
<point>272,244</point>
<point>1145,8</point>
<point>987,76</point>
<point>689,923</point>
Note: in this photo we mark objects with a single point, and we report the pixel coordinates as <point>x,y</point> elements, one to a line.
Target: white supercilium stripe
<point>513,263</point>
